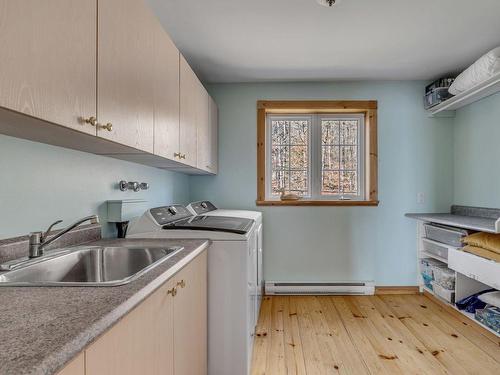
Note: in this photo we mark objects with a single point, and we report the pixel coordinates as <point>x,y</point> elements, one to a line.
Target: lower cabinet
<point>166,334</point>
<point>75,367</point>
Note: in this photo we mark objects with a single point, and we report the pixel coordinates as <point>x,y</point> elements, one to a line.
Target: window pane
<point>299,132</point>
<point>349,132</point>
<point>280,180</point>
<point>349,157</point>
<point>330,184</point>
<point>330,132</point>
<point>298,157</point>
<point>349,182</point>
<point>290,148</point>
<point>280,157</point>
<point>330,157</point>
<point>298,182</point>
<point>280,132</point>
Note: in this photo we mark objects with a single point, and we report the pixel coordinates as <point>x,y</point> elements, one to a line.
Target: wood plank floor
<point>387,334</point>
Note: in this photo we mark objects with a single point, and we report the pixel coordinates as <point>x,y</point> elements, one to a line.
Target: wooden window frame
<point>366,107</point>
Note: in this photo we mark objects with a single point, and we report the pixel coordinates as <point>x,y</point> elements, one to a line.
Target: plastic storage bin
<point>442,82</point>
<point>435,249</point>
<point>444,276</point>
<point>427,280</point>
<point>436,96</point>
<point>490,317</point>
<point>427,264</point>
<point>446,294</point>
<point>447,235</point>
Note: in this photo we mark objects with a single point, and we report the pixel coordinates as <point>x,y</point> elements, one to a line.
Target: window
<point>325,152</point>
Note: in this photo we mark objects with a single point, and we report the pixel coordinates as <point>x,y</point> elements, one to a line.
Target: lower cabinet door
<point>75,367</point>
<point>190,317</point>
<point>142,343</point>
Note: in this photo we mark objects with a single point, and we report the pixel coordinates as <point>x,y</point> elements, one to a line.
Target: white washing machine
<point>232,278</point>
<point>207,208</point>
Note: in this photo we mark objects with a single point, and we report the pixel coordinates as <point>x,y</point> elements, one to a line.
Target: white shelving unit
<point>484,89</point>
<point>464,285</point>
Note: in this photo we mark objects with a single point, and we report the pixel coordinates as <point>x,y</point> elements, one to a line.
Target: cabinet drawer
<point>477,268</point>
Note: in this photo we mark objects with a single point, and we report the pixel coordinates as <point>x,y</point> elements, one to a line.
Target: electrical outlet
<point>420,198</point>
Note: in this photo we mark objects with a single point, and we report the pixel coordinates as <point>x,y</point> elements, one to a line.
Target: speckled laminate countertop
<point>43,328</point>
<point>467,222</point>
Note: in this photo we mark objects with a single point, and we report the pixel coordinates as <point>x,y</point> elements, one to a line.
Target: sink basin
<point>88,266</point>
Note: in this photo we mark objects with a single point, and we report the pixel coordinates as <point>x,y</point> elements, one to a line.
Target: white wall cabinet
<point>111,63</point>
<point>166,334</point>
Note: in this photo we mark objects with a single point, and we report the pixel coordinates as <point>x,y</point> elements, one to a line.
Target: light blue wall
<point>477,153</point>
<point>41,183</point>
<point>334,243</point>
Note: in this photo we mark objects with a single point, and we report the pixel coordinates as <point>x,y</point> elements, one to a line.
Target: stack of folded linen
<point>486,245</point>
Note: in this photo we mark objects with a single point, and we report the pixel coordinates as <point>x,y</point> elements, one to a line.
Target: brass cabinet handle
<point>177,155</point>
<point>172,291</point>
<point>108,126</point>
<point>91,120</point>
<point>183,156</point>
<point>181,283</point>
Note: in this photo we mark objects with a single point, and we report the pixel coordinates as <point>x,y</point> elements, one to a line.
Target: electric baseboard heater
<point>320,288</point>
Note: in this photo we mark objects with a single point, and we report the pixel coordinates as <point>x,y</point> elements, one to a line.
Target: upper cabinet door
<point>47,63</point>
<point>202,122</point>
<point>166,106</point>
<point>190,91</point>
<point>126,72</point>
<point>213,125</point>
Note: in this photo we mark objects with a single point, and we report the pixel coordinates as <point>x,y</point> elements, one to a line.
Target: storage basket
<point>444,276</point>
<point>435,249</point>
<point>444,234</point>
<point>427,265</point>
<point>446,294</point>
<point>435,97</point>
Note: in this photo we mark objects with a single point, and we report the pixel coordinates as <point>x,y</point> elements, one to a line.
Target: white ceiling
<point>294,40</point>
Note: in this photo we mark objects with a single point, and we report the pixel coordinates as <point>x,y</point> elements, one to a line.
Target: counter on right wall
<point>477,153</point>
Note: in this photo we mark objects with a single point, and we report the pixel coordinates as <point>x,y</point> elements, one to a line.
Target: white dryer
<point>207,208</point>
<point>232,278</point>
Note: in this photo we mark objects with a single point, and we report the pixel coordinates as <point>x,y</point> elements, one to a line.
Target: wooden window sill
<point>303,202</point>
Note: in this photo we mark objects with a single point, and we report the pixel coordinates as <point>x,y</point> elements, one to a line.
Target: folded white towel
<point>491,298</point>
<point>484,68</point>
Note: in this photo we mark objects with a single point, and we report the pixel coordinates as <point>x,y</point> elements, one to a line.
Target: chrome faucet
<point>38,240</point>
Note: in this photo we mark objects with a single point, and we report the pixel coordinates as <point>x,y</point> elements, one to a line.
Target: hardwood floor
<point>389,334</point>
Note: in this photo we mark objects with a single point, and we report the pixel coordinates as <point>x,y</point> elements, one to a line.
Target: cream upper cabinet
<point>127,31</point>
<point>190,317</point>
<point>141,343</point>
<point>47,63</point>
<point>202,124</point>
<point>190,92</point>
<point>213,125</point>
<point>207,134</point>
<point>166,106</point>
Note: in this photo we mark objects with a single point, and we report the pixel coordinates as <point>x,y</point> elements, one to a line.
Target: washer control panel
<point>202,207</point>
<point>168,214</point>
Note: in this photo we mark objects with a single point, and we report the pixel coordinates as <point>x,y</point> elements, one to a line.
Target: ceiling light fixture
<point>327,3</point>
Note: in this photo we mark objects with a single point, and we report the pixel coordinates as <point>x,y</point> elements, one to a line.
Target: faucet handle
<point>44,235</point>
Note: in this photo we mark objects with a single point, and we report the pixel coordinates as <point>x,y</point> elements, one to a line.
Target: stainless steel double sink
<point>87,266</point>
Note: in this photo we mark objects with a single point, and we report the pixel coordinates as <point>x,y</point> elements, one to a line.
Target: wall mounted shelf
<point>484,89</point>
